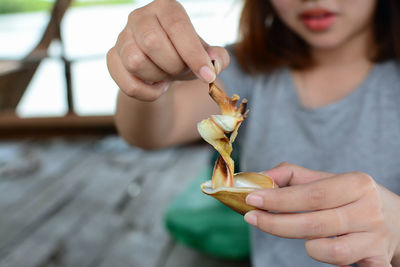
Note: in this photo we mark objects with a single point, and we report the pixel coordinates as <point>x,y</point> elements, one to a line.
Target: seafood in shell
<point>221,131</point>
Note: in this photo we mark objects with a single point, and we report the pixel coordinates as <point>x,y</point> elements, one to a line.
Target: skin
<point>163,69</point>
<point>363,215</point>
<point>347,42</point>
<point>155,52</point>
<point>353,20</point>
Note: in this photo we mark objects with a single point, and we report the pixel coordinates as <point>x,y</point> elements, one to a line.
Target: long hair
<point>263,48</point>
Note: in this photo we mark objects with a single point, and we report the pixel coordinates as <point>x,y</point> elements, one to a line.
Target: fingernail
<point>250,218</point>
<point>207,74</point>
<point>217,66</point>
<point>254,200</point>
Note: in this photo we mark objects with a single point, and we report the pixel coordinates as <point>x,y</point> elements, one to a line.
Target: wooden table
<point>94,202</point>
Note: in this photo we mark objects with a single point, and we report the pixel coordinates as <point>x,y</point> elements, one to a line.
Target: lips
<point>318,20</point>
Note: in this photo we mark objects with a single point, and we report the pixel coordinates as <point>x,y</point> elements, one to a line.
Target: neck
<point>352,52</point>
<point>335,73</point>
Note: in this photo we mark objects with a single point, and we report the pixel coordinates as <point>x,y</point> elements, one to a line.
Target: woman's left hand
<point>363,216</point>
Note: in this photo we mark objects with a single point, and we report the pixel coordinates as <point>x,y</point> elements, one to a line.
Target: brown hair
<point>263,48</point>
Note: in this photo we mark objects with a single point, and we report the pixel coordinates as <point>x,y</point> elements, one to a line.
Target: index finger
<point>285,174</point>
<point>327,193</point>
<point>187,43</point>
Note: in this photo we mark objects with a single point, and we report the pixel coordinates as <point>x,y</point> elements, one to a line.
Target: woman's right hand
<point>159,45</point>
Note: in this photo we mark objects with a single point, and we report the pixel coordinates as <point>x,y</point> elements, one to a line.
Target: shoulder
<point>390,69</point>
<point>386,80</point>
<point>396,65</point>
<point>390,76</point>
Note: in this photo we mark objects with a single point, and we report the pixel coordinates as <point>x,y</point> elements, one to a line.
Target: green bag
<point>204,223</point>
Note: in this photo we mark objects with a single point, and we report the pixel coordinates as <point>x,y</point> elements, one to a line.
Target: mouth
<point>318,20</point>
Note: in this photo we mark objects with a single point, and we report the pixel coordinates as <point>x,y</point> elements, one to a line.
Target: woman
<point>323,83</point>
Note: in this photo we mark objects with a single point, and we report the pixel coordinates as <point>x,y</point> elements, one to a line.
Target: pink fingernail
<point>250,218</point>
<point>254,200</point>
<point>207,74</point>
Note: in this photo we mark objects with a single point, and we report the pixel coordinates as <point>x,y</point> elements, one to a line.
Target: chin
<point>323,42</point>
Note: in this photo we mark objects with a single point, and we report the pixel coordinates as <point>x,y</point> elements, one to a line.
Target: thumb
<point>285,174</point>
<point>219,56</point>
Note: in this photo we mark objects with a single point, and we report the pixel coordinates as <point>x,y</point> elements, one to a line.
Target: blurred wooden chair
<point>15,77</point>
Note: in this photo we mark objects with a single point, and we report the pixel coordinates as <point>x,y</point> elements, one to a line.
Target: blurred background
<point>72,193</point>
<point>89,29</point>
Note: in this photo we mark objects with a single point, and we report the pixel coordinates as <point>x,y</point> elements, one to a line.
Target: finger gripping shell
<point>235,197</point>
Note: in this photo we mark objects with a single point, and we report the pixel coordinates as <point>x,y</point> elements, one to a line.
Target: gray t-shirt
<point>358,133</point>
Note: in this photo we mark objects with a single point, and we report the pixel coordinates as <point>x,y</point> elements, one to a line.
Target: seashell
<point>235,197</point>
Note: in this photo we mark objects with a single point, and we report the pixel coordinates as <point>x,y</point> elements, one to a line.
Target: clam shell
<point>244,184</point>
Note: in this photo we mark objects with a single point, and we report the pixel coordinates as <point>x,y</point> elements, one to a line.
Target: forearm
<point>145,124</point>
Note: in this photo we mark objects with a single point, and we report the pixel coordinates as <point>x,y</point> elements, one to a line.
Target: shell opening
<point>239,184</point>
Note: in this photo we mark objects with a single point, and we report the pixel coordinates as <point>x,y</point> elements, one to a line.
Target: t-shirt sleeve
<point>235,79</point>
